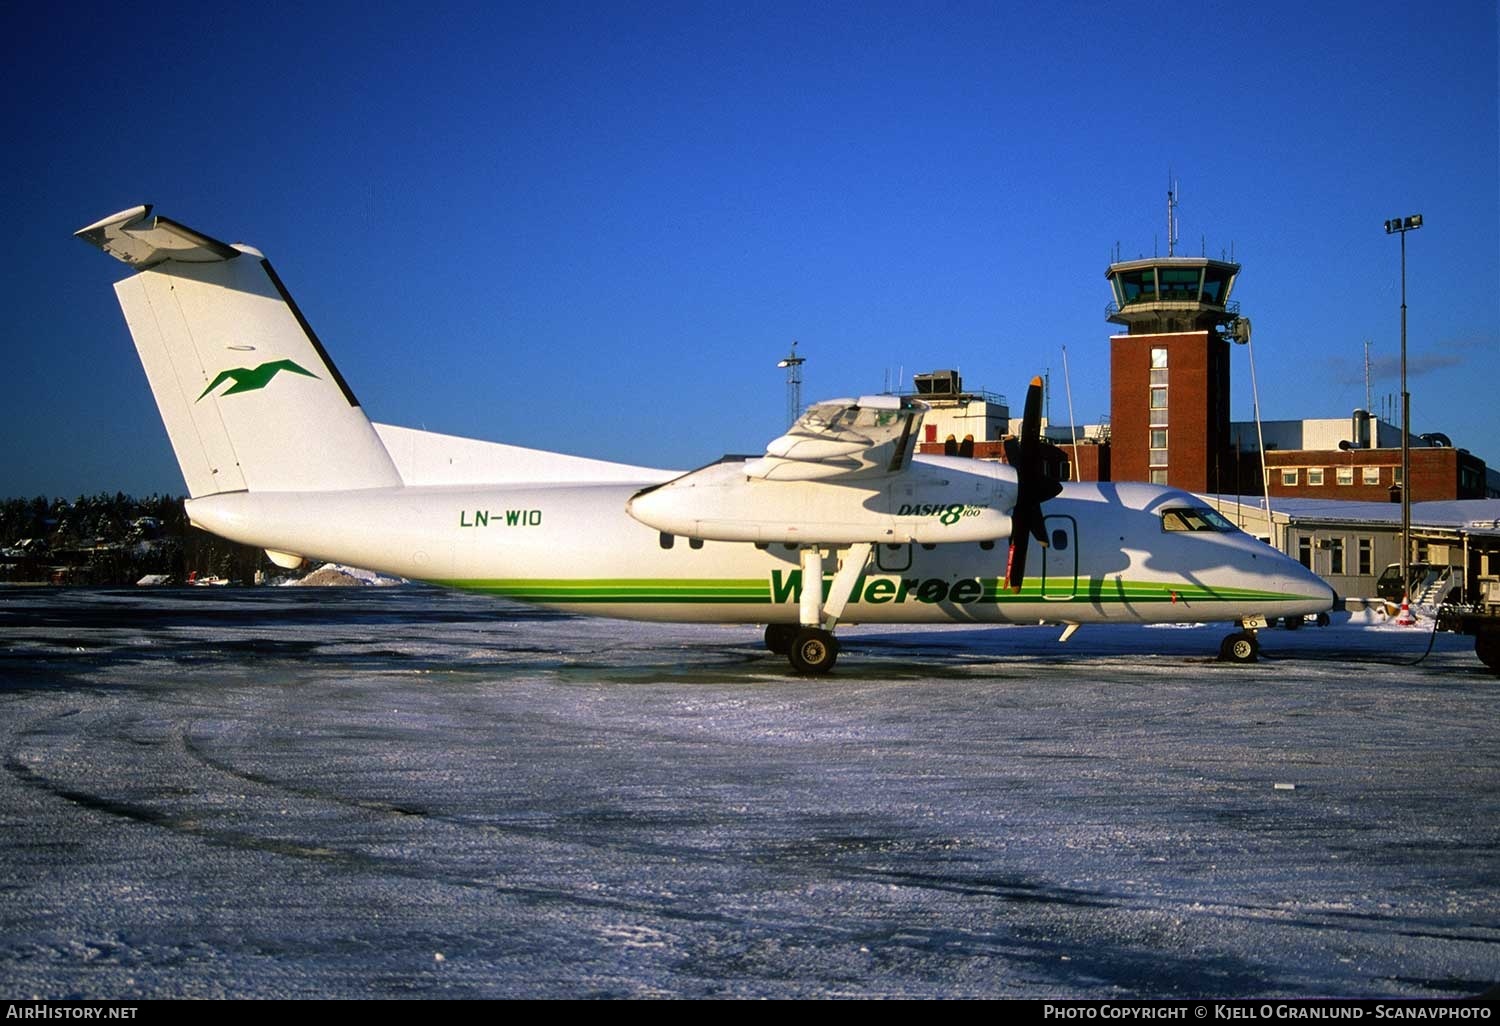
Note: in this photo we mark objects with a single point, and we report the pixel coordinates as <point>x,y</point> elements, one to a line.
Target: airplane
<point>838,522</point>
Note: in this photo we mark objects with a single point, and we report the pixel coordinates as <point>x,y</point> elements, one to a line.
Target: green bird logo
<point>249,379</point>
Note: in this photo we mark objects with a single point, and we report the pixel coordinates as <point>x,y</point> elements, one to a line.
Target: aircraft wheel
<point>779,637</point>
<point>1324,619</point>
<point>1292,623</point>
<point>813,651</point>
<point>1487,648</point>
<point>1239,648</point>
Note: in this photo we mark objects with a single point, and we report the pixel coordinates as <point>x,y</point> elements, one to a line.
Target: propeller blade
<point>1038,529</point>
<point>1015,563</point>
<point>1032,489</point>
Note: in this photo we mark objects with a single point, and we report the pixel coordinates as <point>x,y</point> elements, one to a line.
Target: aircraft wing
<point>842,475</point>
<point>844,440</point>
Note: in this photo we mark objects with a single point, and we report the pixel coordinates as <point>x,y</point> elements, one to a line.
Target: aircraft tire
<point>813,651</point>
<point>1487,648</point>
<point>779,638</point>
<point>1239,648</point>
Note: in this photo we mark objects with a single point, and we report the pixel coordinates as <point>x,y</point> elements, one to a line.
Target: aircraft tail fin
<point>250,399</point>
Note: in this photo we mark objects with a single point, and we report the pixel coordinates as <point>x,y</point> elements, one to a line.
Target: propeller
<point>1032,488</point>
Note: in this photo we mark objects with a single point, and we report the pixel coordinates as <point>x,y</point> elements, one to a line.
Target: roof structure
<point>1469,516</point>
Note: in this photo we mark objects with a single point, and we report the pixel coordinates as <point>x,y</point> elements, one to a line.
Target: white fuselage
<point>574,547</point>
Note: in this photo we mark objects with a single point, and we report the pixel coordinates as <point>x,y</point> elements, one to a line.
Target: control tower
<point>1169,373</point>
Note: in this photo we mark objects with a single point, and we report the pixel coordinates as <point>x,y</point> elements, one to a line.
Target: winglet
<point>136,238</point>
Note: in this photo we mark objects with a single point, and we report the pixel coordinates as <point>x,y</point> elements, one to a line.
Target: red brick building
<point>1374,475</point>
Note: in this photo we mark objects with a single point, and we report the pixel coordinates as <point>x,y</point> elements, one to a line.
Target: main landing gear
<point>808,649</point>
<point>1487,648</point>
<point>810,646</point>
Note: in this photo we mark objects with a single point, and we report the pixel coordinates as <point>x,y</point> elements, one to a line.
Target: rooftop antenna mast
<point>1367,375</point>
<point>793,364</point>
<point>1173,191</point>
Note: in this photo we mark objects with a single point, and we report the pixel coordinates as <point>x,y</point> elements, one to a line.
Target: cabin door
<point>1060,559</point>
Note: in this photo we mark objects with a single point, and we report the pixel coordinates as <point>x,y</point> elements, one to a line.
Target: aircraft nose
<point>1303,583</point>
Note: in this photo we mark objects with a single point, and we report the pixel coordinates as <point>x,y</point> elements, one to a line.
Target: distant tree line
<point>112,540</point>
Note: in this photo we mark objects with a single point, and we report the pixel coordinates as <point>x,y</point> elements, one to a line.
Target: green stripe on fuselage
<point>895,590</point>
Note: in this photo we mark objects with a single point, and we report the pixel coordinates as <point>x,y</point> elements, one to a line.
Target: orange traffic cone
<point>1405,619</point>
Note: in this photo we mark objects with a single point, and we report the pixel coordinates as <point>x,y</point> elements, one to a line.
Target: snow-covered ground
<point>398,791</point>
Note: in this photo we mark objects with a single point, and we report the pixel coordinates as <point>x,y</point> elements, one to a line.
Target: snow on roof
<point>1471,516</point>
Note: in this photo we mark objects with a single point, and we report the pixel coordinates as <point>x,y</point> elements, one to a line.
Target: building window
<point>1336,555</point>
<point>1158,359</point>
<point>1158,476</point>
<point>1158,418</point>
<point>1346,475</point>
<point>1315,476</point>
<point>1370,475</point>
<point>1158,438</point>
<point>1366,556</point>
<point>1158,457</point>
<point>1158,398</point>
<point>1396,474</point>
<point>1304,551</point>
<point>1158,377</point>
<point>1289,479</point>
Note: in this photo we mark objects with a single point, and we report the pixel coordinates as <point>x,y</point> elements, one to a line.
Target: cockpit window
<point>1193,518</point>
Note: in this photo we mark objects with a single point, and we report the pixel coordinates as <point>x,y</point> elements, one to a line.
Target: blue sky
<point>596,227</point>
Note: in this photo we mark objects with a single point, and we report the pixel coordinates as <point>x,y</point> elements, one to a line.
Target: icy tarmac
<point>405,792</point>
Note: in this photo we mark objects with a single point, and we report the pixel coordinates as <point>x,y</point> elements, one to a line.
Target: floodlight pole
<point>793,364</point>
<point>1400,226</point>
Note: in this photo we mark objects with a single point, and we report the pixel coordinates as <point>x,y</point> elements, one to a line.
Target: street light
<point>1400,226</point>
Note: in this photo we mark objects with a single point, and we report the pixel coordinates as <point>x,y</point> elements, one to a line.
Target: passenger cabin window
<point>1194,518</point>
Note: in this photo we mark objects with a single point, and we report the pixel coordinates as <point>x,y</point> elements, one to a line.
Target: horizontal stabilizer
<point>135,237</point>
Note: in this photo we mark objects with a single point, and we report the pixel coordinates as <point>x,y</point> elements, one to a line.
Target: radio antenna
<point>1173,191</point>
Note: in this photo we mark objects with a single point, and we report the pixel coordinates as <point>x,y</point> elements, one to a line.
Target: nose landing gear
<point>1241,647</point>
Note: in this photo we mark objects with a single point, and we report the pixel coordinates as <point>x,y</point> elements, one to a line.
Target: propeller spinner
<point>1032,487</point>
